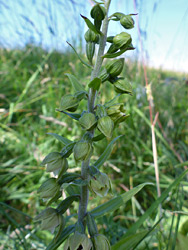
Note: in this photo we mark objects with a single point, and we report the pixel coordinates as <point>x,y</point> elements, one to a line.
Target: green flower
<point>100,242</point>
<point>50,219</point>
<point>106,126</point>
<point>127,22</point>
<point>48,189</point>
<point>82,150</point>
<point>100,184</point>
<point>88,121</point>
<point>55,163</point>
<point>78,241</point>
<point>123,86</point>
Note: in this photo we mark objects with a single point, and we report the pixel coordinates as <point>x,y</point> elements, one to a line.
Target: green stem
<point>91,103</point>
<point>99,60</point>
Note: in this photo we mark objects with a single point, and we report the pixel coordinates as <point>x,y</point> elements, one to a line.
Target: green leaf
<point>113,55</point>
<point>116,202</point>
<point>155,205</point>
<point>82,61</point>
<point>75,83</point>
<point>90,25</point>
<point>98,137</point>
<point>95,83</point>
<point>73,116</point>
<point>60,138</point>
<point>106,153</point>
<point>129,242</point>
<point>68,177</point>
<point>65,204</point>
<point>181,242</point>
<point>55,243</point>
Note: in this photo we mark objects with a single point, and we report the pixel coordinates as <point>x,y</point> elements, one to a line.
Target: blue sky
<point>49,23</point>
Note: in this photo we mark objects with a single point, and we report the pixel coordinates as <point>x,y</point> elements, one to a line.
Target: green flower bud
<point>88,121</point>
<point>115,67</point>
<point>50,219</point>
<point>91,36</point>
<point>117,113</point>
<point>122,40</point>
<point>115,109</point>
<point>90,51</point>
<point>78,241</point>
<point>69,102</point>
<point>123,86</point>
<point>101,111</point>
<point>127,22</point>
<point>48,189</point>
<point>104,76</point>
<point>82,150</point>
<point>100,184</point>
<point>55,163</point>
<point>100,242</point>
<point>98,12</point>
<point>106,125</point>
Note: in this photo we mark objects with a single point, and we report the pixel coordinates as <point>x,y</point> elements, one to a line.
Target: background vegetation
<point>32,83</point>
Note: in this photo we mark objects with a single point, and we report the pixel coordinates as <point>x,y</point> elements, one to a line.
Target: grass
<point>32,83</point>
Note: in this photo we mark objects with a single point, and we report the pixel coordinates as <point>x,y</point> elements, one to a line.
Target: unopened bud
<point>88,121</point>
<point>106,125</point>
<point>127,22</point>
<point>123,86</point>
<point>69,102</point>
<point>90,51</point>
<point>104,76</point>
<point>115,67</point>
<point>122,40</point>
<point>91,36</point>
<point>98,12</point>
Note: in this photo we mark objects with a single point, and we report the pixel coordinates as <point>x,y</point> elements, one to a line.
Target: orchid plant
<point>98,121</point>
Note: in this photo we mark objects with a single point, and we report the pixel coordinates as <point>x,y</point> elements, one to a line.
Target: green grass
<point>32,83</point>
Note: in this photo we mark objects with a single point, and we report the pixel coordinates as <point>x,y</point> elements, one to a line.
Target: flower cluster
<point>98,121</point>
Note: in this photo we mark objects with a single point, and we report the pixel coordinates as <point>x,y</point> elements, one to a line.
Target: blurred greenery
<point>32,84</point>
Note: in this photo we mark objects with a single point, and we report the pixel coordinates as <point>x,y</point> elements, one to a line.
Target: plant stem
<point>91,103</point>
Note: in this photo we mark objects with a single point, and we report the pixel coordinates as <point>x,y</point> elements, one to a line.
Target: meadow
<point>32,84</point>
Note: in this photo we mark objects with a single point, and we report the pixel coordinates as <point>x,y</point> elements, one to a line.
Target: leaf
<point>116,202</point>
<point>109,55</point>
<point>181,242</point>
<point>154,206</point>
<point>95,83</point>
<point>106,153</point>
<point>82,61</point>
<point>68,177</point>
<point>60,138</point>
<point>75,83</point>
<point>129,242</point>
<point>98,137</point>
<point>55,243</point>
<point>90,25</point>
<point>65,204</point>
<point>73,116</point>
